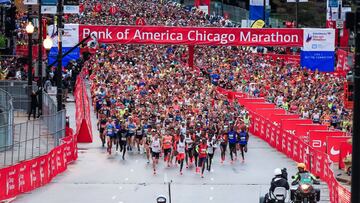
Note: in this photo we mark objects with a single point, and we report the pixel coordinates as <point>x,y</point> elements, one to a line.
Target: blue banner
<point>74,55</point>
<point>49,2</point>
<point>256,12</point>
<point>324,61</point>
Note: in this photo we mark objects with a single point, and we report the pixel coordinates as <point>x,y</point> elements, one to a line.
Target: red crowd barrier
<point>83,122</point>
<point>280,130</point>
<point>31,174</point>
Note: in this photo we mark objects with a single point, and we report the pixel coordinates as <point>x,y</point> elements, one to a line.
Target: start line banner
<point>192,35</point>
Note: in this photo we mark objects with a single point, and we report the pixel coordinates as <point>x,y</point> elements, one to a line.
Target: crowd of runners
<point>149,101</point>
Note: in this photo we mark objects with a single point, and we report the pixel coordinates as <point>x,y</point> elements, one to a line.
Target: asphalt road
<point>97,177</point>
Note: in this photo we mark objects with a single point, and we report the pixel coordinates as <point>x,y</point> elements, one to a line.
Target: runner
<point>232,136</point>
<point>155,150</point>
<point>131,127</point>
<point>223,145</point>
<point>110,132</point>
<point>189,149</point>
<point>202,150</point>
<point>167,145</point>
<point>147,144</point>
<point>139,137</point>
<point>122,140</point>
<point>102,126</point>
<point>243,140</point>
<point>180,148</point>
<point>211,143</point>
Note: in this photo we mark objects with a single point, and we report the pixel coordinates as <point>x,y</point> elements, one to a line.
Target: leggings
<point>122,147</point>
<point>223,150</point>
<point>188,154</point>
<point>209,161</point>
<point>232,147</point>
<point>243,148</point>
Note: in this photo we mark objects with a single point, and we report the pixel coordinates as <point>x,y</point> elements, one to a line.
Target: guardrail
<point>6,119</point>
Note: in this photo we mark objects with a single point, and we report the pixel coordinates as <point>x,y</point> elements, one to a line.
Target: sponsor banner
<point>30,2</point>
<point>276,118</point>
<point>266,112</point>
<point>345,150</point>
<point>333,146</point>
<point>70,35</point>
<point>256,105</point>
<point>290,124</point>
<point>245,101</point>
<point>318,60</point>
<point>342,61</point>
<point>318,49</point>
<point>31,174</point>
<point>69,9</point>
<point>48,9</point>
<point>74,55</point>
<point>319,39</point>
<point>296,149</point>
<point>318,138</point>
<point>193,35</point>
<point>295,59</point>
<point>302,130</point>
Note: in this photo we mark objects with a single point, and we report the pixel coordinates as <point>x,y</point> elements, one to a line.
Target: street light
<point>48,43</point>
<point>30,30</point>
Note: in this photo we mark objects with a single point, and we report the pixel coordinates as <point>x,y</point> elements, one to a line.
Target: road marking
<point>131,170</point>
<point>126,179</point>
<point>212,179</point>
<point>120,188</point>
<point>212,170</point>
<point>113,197</point>
<point>211,188</point>
<point>211,198</point>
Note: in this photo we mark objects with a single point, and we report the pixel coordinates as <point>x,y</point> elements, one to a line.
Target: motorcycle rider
<point>302,171</point>
<point>277,181</point>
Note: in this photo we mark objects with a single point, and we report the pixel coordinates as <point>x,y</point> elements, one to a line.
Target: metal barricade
<point>32,138</point>
<point>6,119</point>
<point>19,92</point>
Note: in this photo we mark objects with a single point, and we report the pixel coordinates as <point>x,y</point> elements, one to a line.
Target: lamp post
<point>47,43</point>
<point>60,28</point>
<point>29,30</point>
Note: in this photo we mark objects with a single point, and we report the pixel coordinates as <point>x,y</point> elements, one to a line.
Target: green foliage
<point>3,41</point>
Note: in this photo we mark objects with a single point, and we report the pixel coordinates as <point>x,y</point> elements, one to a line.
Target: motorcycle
<point>304,192</point>
<point>279,194</point>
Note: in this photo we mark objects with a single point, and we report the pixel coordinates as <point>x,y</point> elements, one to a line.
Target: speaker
<point>350,21</point>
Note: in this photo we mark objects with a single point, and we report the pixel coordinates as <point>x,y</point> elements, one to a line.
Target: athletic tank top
<point>181,147</point>
<point>155,146</point>
<point>232,137</point>
<point>131,128</point>
<point>189,142</point>
<point>242,136</point>
<point>110,129</point>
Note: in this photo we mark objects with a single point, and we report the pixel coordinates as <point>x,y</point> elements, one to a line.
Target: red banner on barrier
<point>290,124</point>
<point>302,130</point>
<point>333,146</point>
<point>31,174</point>
<point>276,118</point>
<point>267,112</point>
<point>193,35</point>
<point>258,105</point>
<point>318,138</point>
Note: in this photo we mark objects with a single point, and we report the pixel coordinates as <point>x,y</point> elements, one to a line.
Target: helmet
<point>277,171</point>
<point>301,165</point>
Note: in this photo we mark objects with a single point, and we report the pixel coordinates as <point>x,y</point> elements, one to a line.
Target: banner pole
<point>355,176</point>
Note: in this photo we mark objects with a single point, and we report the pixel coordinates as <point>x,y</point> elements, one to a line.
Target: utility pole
<point>60,28</point>
<point>339,19</point>
<point>297,13</point>
<point>355,176</point>
<point>40,59</point>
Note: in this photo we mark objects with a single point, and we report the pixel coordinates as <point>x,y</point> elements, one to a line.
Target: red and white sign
<point>290,124</point>
<point>318,138</point>
<point>333,146</point>
<point>193,35</point>
<point>302,130</point>
<point>140,21</point>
